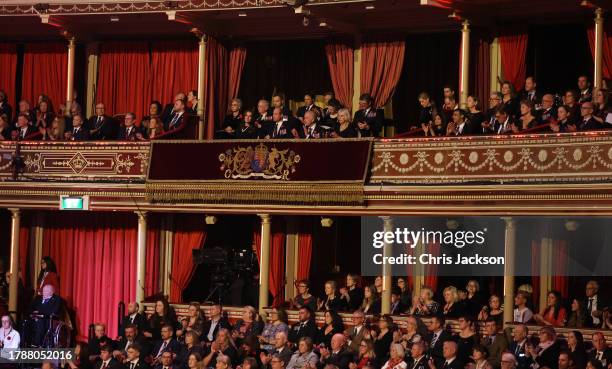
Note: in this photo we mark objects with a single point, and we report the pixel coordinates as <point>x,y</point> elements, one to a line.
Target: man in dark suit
<point>358,332</point>
<point>281,350</point>
<point>212,325</point>
<point>130,132</point>
<point>24,128</point>
<point>165,361</point>
<point>368,120</point>
<point>503,122</point>
<point>397,307</point>
<point>438,335</point>
<point>585,90</point>
<point>99,340</point>
<point>281,128</point>
<point>494,342</point>
<point>338,354</point>
<point>101,126</point>
<point>308,106</point>
<point>192,101</point>
<point>548,113</point>
<point>45,307</point>
<point>310,129</point>
<point>131,337</point>
<point>450,360</point>
<point>178,116</point>
<point>460,125</point>
<point>601,352</point>
<point>530,93</point>
<point>417,360</point>
<point>78,132</point>
<point>588,123</point>
<point>305,327</point>
<point>594,304</point>
<point>134,358</point>
<point>518,346</point>
<point>106,359</point>
<point>134,317</point>
<point>166,344</point>
<point>168,109</point>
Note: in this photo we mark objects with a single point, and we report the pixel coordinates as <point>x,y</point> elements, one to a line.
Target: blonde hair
<point>346,113</point>
<point>453,291</point>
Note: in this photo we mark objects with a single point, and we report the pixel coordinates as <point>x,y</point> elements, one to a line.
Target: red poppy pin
<point>8,338</point>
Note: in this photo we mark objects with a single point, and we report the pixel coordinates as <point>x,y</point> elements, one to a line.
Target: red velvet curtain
<point>8,70</point>
<point>237,57</point>
<point>24,246</point>
<point>480,69</point>
<point>513,51</point>
<point>560,266</point>
<point>535,271</point>
<point>304,248</point>
<point>153,255</point>
<point>174,68</point>
<point>607,50</point>
<point>215,99</point>
<point>431,270</point>
<point>381,68</point>
<point>277,259</point>
<point>44,72</point>
<point>123,78</point>
<point>340,61</point>
<point>189,234</point>
<point>95,255</point>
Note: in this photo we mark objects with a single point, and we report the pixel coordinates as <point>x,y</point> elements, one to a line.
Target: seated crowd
<point>422,340</point>
<point>508,112</point>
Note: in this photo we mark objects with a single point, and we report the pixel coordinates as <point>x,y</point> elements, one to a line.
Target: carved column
<point>387,272</point>
<point>70,74</point>
<point>509,269</point>
<point>598,54</point>
<point>264,262</point>
<point>14,267</point>
<point>201,87</point>
<point>141,258</point>
<point>464,72</point>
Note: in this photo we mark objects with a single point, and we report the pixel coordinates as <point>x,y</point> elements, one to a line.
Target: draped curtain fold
<point>237,57</point>
<point>606,50</point>
<point>381,68</point>
<point>276,279</point>
<point>44,72</point>
<point>431,270</point>
<point>560,267</point>
<point>513,51</point>
<point>96,260</point>
<point>341,69</point>
<point>8,61</point>
<point>216,72</point>
<point>304,249</point>
<point>535,271</point>
<point>480,69</point>
<point>152,255</point>
<point>189,235</point>
<point>124,78</point>
<point>174,68</point>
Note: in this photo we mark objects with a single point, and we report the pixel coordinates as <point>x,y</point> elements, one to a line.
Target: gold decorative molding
<point>581,157</point>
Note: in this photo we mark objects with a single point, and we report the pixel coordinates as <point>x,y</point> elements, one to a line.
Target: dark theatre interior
<point>200,184</point>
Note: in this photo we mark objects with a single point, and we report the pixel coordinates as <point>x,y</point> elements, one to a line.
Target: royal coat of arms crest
<point>258,162</point>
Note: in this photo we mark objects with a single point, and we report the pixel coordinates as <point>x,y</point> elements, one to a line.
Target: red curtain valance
<point>513,51</point>
<point>340,61</point>
<point>189,234</point>
<point>174,68</point>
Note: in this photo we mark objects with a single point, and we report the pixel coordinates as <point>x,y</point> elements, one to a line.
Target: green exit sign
<point>74,202</point>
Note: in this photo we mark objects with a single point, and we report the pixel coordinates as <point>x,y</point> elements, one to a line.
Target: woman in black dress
<point>164,315</point>
<point>466,338</point>
<point>475,116</point>
<point>383,339</point>
<point>332,299</point>
<point>527,119</point>
<point>333,324</point>
<point>247,129</point>
<point>344,128</point>
<point>233,119</point>
<point>509,99</point>
<point>452,308</point>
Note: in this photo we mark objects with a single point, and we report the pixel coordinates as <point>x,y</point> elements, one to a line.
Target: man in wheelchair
<point>45,312</point>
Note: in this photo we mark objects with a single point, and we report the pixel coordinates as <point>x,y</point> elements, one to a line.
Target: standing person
<point>47,275</point>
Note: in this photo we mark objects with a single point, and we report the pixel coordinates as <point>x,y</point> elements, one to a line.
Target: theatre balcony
<point>521,174</point>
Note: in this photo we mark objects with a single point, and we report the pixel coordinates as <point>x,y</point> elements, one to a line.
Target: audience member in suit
<point>166,343</point>
<point>585,90</point>
<point>281,127</point>
<point>460,125</point>
<point>353,293</point>
<point>214,323</point>
<point>281,350</point>
<point>588,123</point>
<point>309,105</point>
<point>358,332</point>
<point>222,345</point>
<point>278,101</point>
<point>369,121</point>
<point>437,336</point>
<point>547,113</point>
<point>192,102</point>
<point>518,346</point>
<point>263,118</point>
<point>168,109</point>
<point>5,107</point>
<point>594,304</point>
<point>166,361</point>
<point>417,359</point>
<point>47,306</point>
<point>106,359</point>
<point>135,358</point>
<point>99,340</point>
<point>24,128</point>
<point>131,336</point>
<point>129,131</point>
<point>24,108</point>
<point>530,92</point>
<point>191,346</point>
<point>311,129</point>
<point>101,126</point>
<point>546,353</point>
<point>449,357</point>
<point>178,117</point>
<point>305,327</point>
<point>133,317</point>
<point>566,361</point>
<point>78,132</point>
<point>247,129</point>
<point>397,306</point>
<point>601,352</point>
<point>495,342</point>
<point>338,354</point>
